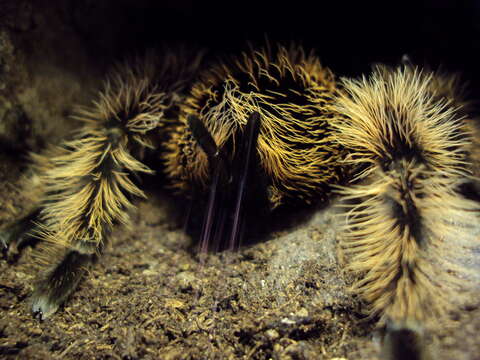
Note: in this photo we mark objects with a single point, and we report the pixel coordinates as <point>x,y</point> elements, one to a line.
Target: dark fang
<point>213,202</point>
<point>218,169</point>
<point>244,163</point>
<point>228,184</point>
<point>203,137</point>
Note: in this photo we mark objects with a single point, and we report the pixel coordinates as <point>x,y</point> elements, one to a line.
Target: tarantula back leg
<point>88,190</point>
<point>84,187</point>
<point>19,234</point>
<point>16,235</point>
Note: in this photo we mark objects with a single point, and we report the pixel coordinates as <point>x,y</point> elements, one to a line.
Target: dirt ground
<point>151,296</point>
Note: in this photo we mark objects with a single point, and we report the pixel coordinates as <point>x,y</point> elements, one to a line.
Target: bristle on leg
<point>88,185</point>
<point>408,234</point>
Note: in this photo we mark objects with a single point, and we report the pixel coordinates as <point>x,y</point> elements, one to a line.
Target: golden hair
<point>408,231</point>
<point>292,92</point>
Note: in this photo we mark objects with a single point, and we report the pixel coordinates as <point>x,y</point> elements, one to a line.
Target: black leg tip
<point>4,244</point>
<point>4,240</point>
<point>43,307</point>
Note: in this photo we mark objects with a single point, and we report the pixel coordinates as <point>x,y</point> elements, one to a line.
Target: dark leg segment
<point>58,283</point>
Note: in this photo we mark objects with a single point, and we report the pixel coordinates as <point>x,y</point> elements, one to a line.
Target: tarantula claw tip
<point>3,242</point>
<point>42,308</point>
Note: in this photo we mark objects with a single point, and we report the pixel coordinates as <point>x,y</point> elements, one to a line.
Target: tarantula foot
<point>12,243</point>
<point>6,238</point>
<point>8,244</point>
<point>43,307</point>
<point>4,242</point>
<point>55,286</point>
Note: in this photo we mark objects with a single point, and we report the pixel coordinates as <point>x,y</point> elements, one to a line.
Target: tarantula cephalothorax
<point>290,94</point>
<point>278,116</point>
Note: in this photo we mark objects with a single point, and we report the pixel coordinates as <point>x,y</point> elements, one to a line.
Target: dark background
<point>348,35</point>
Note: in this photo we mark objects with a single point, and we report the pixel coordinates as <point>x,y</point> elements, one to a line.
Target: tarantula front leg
<point>88,182</point>
<point>87,192</point>
<point>55,285</point>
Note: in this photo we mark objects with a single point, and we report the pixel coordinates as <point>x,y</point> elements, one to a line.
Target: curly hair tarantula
<point>269,128</point>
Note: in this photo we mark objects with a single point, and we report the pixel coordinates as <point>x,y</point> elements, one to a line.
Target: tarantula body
<point>296,157</point>
<point>269,128</point>
<point>409,231</point>
<point>267,114</point>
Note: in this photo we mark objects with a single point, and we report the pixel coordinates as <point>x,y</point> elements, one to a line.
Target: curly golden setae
<point>408,230</point>
<point>292,92</point>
